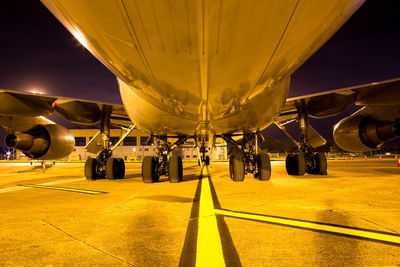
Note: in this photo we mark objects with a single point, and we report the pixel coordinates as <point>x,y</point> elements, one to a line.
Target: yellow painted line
<point>209,247</point>
<point>369,234</point>
<point>64,189</point>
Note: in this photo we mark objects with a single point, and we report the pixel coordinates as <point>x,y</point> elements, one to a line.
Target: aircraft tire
<point>236,167</point>
<point>90,169</point>
<point>264,167</point>
<point>149,172</point>
<point>115,168</point>
<point>175,169</point>
<point>207,160</point>
<point>318,164</point>
<point>295,164</point>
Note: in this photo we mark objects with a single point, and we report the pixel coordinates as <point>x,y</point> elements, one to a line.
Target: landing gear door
<point>94,145</point>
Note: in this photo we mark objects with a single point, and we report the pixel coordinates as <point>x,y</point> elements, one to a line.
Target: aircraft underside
<point>198,70</point>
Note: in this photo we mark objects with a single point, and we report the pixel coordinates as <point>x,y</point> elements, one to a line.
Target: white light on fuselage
<point>80,37</point>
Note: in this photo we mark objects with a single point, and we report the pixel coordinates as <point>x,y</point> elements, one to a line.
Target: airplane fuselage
<point>183,66</point>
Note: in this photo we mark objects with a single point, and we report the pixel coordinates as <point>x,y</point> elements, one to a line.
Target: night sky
<point>37,53</point>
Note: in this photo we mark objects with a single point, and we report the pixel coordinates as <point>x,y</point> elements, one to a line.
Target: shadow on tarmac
<point>168,198</point>
<point>313,176</point>
<point>34,168</point>
<point>327,246</point>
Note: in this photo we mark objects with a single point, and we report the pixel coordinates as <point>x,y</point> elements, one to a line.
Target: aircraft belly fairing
<point>257,113</point>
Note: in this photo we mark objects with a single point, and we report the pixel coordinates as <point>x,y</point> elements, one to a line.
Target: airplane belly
<point>203,61</point>
<point>255,114</point>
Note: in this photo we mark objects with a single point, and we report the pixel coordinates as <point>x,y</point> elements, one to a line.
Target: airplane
<point>203,70</point>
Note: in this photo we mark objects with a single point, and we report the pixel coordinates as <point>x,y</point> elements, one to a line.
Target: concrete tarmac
<point>56,218</point>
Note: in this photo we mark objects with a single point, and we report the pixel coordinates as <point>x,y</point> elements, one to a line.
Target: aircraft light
<point>80,37</point>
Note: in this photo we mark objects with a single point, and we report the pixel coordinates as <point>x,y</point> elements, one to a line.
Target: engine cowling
<point>361,133</point>
<point>46,142</point>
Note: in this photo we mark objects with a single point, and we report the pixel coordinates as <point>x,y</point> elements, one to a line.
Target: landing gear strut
<point>245,158</point>
<point>306,160</point>
<point>104,165</point>
<point>154,167</point>
<point>203,148</point>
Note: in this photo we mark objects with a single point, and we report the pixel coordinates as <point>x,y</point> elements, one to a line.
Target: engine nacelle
<point>361,133</point>
<point>47,142</point>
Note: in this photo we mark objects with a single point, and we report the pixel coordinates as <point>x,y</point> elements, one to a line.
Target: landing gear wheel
<point>264,167</point>
<point>236,167</point>
<point>115,168</point>
<point>295,164</point>
<point>207,160</point>
<point>90,169</point>
<point>317,164</point>
<point>175,169</point>
<point>149,170</point>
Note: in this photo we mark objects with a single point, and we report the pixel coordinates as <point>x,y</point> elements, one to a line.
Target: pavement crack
<point>87,244</point>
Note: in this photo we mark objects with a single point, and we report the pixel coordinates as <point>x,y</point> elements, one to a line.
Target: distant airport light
<point>36,91</point>
<point>80,37</point>
<point>8,153</point>
<point>134,149</point>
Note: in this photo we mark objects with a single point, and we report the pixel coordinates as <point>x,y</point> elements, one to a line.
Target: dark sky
<point>37,52</point>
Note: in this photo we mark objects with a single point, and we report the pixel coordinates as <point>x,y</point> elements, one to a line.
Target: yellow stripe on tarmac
<point>385,237</point>
<point>209,248</point>
<point>64,189</point>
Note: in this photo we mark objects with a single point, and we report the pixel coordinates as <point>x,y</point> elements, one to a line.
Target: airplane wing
<point>380,101</point>
<point>21,111</point>
<point>372,96</point>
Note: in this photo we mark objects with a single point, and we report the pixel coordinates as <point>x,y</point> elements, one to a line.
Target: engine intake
<point>47,142</point>
<point>361,133</point>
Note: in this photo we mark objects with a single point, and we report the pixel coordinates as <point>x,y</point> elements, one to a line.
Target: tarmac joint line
<point>89,245</point>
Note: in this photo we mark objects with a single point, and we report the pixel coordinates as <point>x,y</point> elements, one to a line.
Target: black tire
<point>295,164</point>
<point>175,169</point>
<point>90,169</point>
<point>207,161</point>
<point>236,167</point>
<point>318,164</point>
<point>115,168</point>
<point>230,166</point>
<point>264,167</point>
<point>149,172</point>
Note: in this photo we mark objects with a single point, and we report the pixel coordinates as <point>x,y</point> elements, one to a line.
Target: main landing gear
<point>245,158</point>
<point>306,160</point>
<point>104,165</point>
<point>154,167</point>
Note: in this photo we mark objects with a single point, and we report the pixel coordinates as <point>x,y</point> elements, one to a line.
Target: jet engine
<point>362,133</point>
<point>46,142</point>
